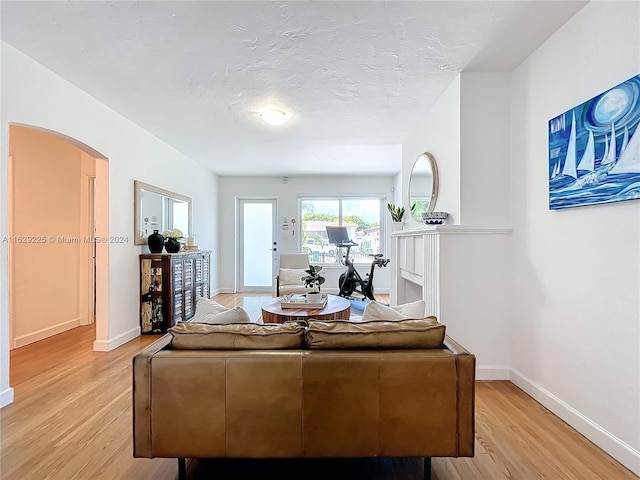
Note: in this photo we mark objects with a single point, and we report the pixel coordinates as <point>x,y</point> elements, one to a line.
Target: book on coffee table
<point>299,300</point>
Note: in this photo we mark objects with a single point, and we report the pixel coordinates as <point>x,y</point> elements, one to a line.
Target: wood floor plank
<point>71,419</point>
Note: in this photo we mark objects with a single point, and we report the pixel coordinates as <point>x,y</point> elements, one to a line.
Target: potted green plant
<point>313,279</point>
<point>397,214</point>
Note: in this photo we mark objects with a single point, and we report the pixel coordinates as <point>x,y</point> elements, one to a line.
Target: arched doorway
<point>58,207</point>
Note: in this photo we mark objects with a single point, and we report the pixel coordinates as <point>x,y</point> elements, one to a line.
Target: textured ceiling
<point>355,76</point>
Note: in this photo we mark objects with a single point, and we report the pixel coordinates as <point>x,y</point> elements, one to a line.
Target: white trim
<point>6,397</point>
<point>492,372</point>
<point>464,230</point>
<point>47,332</point>
<point>617,448</point>
<point>452,230</point>
<point>102,346</point>
<point>222,290</point>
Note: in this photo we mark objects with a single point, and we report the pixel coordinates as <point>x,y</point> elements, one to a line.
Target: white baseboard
<point>222,290</point>
<point>6,397</point>
<point>492,372</point>
<point>618,449</point>
<point>47,332</point>
<point>108,345</point>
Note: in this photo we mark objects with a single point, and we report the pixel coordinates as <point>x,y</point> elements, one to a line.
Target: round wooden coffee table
<point>337,308</point>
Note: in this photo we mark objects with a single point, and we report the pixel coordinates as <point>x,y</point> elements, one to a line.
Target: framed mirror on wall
<point>423,185</point>
<point>158,209</point>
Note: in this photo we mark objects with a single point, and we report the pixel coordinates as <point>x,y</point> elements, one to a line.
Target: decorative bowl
<point>434,218</point>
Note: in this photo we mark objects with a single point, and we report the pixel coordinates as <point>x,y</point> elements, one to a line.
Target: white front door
<point>257,244</point>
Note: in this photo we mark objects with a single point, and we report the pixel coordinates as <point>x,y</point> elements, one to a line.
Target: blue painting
<point>594,149</point>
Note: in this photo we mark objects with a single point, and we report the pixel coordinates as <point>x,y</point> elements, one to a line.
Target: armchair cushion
<point>291,276</point>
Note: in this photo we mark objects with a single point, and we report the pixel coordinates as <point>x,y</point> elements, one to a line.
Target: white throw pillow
<point>206,305</point>
<point>232,315</point>
<point>412,310</point>
<point>291,276</point>
<point>377,311</point>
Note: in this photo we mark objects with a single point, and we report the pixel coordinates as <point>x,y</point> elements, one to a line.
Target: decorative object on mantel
<point>173,237</point>
<point>594,149</point>
<point>434,218</point>
<point>397,215</point>
<point>155,242</point>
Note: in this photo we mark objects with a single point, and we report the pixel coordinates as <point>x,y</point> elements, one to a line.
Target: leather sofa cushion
<point>413,333</point>
<point>237,336</point>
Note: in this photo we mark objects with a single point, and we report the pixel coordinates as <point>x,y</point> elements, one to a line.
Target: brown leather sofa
<point>191,401</point>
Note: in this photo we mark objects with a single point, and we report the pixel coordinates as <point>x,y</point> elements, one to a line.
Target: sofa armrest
<point>454,347</point>
<point>142,396</point>
<point>466,369</point>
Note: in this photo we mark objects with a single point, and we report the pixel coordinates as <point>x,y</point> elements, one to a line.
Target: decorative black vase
<point>172,245</point>
<point>155,242</point>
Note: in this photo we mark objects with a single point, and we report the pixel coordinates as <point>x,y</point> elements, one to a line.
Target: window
<point>360,215</point>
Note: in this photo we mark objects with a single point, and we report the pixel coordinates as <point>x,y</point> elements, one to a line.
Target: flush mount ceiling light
<point>274,117</point>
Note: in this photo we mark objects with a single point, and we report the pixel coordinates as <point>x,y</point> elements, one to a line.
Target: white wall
<point>437,132</point>
<point>484,149</point>
<point>287,197</point>
<point>572,306</point>
<point>33,95</point>
<point>576,322</point>
<point>467,130</point>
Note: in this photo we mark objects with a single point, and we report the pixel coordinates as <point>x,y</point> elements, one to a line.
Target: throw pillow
<point>412,310</point>
<point>378,311</point>
<point>206,305</point>
<point>232,315</point>
<point>238,336</point>
<point>291,276</point>
<point>413,333</point>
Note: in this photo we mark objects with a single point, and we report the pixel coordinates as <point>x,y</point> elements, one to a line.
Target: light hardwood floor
<point>71,419</point>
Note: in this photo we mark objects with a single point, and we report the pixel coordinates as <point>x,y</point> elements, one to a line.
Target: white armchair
<point>292,269</point>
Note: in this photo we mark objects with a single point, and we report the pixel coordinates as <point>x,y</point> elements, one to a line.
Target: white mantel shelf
<point>452,230</point>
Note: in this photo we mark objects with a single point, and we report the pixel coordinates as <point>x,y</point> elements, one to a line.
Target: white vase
<point>314,297</point>
<point>397,226</point>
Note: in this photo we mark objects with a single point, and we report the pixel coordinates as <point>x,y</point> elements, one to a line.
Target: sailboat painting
<point>594,149</point>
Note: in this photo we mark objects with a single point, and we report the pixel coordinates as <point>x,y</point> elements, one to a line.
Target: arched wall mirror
<point>423,185</point>
<point>158,209</point>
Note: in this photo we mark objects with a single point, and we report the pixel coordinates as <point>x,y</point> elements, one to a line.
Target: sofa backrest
<point>303,403</point>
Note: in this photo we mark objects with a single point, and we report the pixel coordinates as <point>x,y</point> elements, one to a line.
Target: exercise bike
<point>351,281</point>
